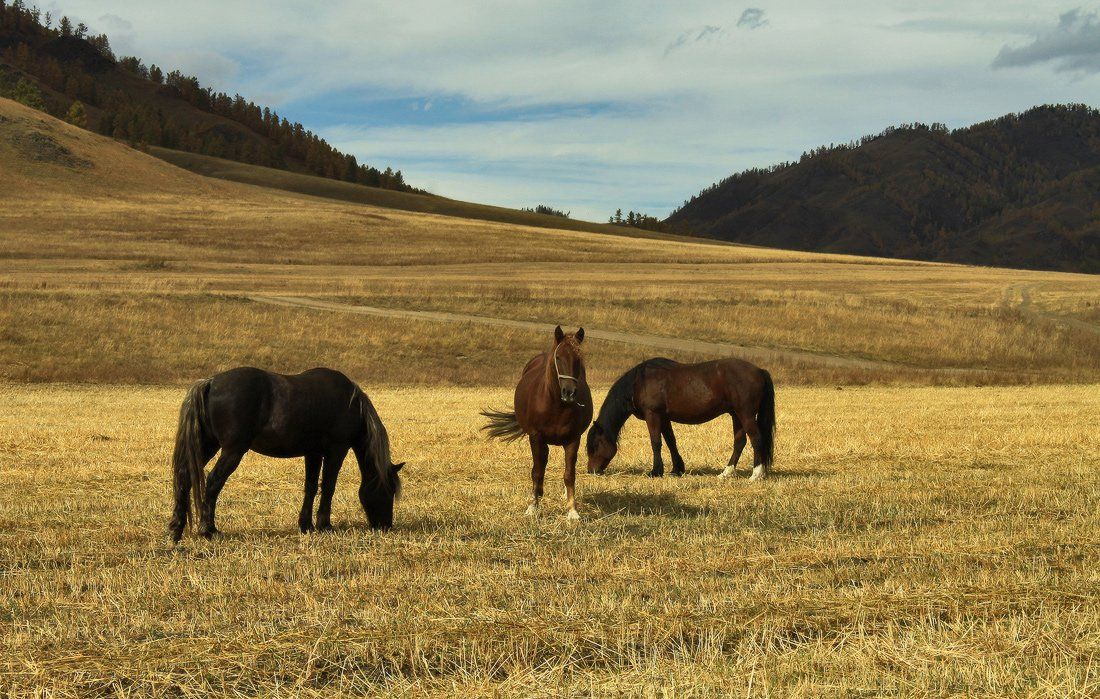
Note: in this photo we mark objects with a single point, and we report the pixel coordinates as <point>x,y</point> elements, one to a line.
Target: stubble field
<point>912,541</point>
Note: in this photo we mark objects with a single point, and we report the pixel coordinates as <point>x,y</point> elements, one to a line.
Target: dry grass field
<point>931,529</point>
<point>131,270</point>
<point>914,541</point>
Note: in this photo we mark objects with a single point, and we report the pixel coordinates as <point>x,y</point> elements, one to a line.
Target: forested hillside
<point>1019,191</point>
<point>50,64</point>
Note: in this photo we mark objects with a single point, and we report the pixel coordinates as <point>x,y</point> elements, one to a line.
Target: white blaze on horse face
<point>758,473</point>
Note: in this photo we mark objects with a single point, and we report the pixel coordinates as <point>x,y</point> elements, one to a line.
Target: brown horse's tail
<point>502,425</point>
<point>765,420</point>
<point>187,460</point>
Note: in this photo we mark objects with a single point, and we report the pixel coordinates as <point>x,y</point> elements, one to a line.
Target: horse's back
<point>697,393</point>
<point>281,414</point>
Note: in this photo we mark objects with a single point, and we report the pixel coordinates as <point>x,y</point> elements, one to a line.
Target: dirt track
<point>1008,300</point>
<point>760,355</point>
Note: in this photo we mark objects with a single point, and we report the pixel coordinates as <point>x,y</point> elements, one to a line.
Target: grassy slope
<point>156,254</point>
<point>374,196</point>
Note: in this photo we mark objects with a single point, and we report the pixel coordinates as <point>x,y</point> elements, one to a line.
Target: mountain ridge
<point>1022,191</point>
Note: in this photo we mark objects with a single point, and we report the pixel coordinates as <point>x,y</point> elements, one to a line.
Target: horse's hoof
<point>532,511</point>
<point>305,528</point>
<point>210,533</point>
<point>572,516</point>
<point>325,527</point>
<point>656,474</point>
<point>677,474</point>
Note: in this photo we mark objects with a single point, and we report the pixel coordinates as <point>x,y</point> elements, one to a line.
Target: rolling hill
<point>72,74</point>
<point>1020,191</point>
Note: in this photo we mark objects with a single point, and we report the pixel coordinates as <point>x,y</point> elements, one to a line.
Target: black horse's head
<point>601,449</point>
<point>377,496</point>
<point>568,363</point>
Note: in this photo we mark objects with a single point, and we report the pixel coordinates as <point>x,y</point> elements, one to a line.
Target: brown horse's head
<point>601,449</point>
<point>567,363</point>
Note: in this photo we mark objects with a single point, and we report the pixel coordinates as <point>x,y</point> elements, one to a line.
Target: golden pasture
<point>931,527</point>
<point>912,541</point>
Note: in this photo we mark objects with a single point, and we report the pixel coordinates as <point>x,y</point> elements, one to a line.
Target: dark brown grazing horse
<point>661,392</point>
<point>319,414</point>
<point>552,406</point>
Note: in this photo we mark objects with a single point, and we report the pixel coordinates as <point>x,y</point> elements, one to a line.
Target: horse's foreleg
<point>571,450</point>
<point>313,473</point>
<point>539,453</point>
<point>226,464</point>
<point>677,461</point>
<point>653,422</point>
<point>330,470</point>
<point>739,442</point>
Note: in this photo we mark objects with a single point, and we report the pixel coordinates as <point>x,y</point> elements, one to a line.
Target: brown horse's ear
<point>580,335</point>
<point>397,467</point>
<point>559,335</point>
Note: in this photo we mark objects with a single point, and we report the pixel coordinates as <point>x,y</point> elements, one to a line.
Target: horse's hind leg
<point>759,470</point>
<point>313,473</point>
<point>539,454</point>
<point>329,472</point>
<point>653,422</point>
<point>226,464</point>
<point>739,441</point>
<point>677,461</point>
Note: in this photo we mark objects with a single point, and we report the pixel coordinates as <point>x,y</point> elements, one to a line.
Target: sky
<point>593,106</point>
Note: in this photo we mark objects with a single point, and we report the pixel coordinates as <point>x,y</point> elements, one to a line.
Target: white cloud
<point>752,18</point>
<point>679,101</point>
<point>1073,45</point>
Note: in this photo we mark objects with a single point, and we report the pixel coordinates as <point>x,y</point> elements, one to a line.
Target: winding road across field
<point>1008,300</point>
<point>762,355</point>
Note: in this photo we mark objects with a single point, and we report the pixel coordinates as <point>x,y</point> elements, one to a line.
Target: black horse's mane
<point>378,443</point>
<point>618,405</point>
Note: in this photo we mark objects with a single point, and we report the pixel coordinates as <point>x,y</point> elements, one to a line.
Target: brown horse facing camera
<point>662,391</point>
<point>552,406</point>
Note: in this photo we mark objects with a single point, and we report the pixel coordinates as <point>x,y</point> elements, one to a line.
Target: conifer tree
<point>77,115</point>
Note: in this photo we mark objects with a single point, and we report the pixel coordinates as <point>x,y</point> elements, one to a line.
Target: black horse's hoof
<point>677,474</point>
<point>305,528</point>
<point>210,533</point>
<point>327,527</point>
<point>656,474</point>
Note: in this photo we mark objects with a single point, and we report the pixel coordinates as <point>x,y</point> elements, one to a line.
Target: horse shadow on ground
<point>635,504</point>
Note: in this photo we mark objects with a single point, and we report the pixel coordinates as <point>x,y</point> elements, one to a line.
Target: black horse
<point>319,414</point>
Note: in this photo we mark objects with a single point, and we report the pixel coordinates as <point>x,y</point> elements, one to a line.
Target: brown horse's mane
<point>619,403</point>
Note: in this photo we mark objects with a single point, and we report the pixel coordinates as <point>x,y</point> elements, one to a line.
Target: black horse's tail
<point>187,460</point>
<point>765,420</point>
<point>502,425</point>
